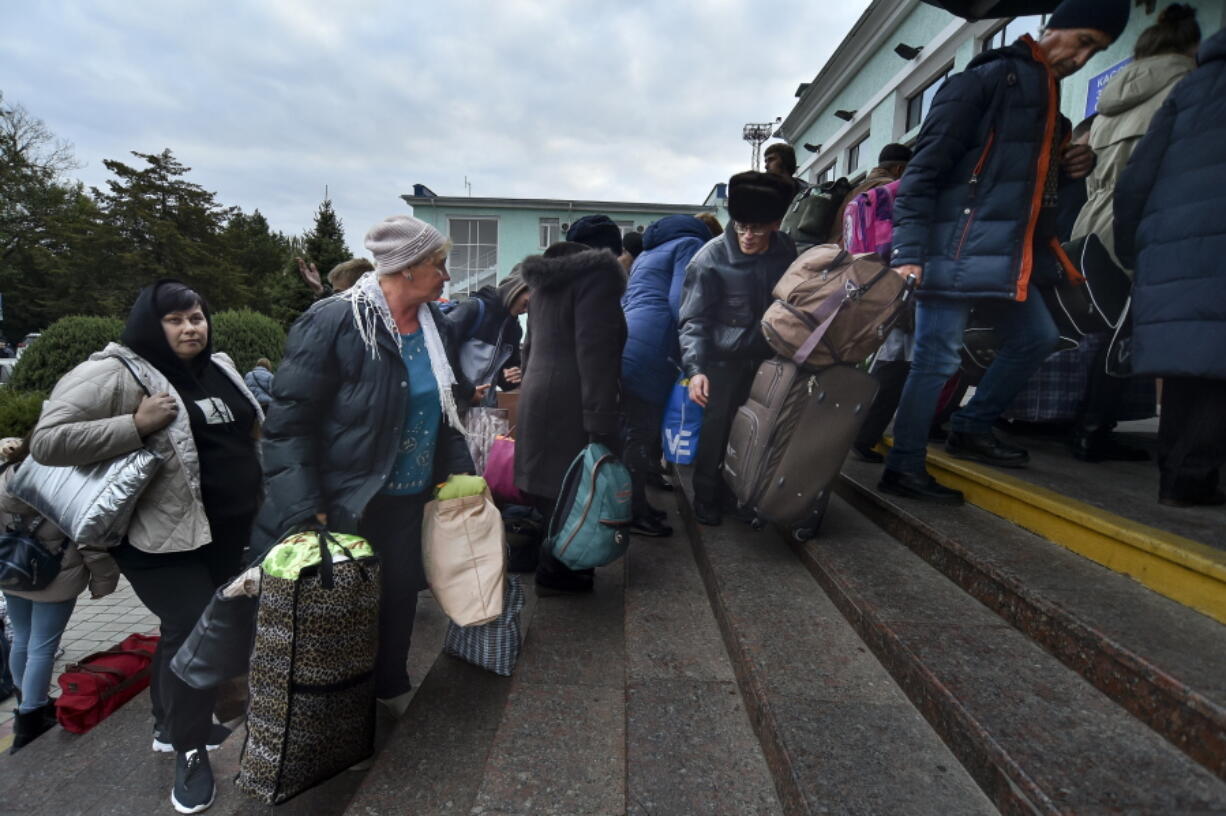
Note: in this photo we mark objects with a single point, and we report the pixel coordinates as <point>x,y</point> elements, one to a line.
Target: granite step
<point>839,733</point>
<point>1037,736</point>
<point>623,702</point>
<point>111,769</point>
<point>1163,662</point>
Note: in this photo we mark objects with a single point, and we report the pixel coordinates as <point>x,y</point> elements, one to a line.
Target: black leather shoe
<point>986,448</point>
<point>919,486</point>
<point>650,527</point>
<point>708,514</point>
<point>867,454</point>
<point>1096,446</point>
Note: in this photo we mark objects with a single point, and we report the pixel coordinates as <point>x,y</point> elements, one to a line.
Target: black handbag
<point>1097,304</point>
<point>810,216</point>
<point>219,646</point>
<point>25,564</point>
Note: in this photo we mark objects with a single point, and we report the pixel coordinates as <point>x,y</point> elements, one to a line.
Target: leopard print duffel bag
<point>312,710</point>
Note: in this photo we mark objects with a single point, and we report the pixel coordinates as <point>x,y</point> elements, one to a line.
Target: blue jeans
<point>1028,336</point>
<point>37,628</point>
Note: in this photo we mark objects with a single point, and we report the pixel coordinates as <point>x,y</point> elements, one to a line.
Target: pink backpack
<point>868,221</point>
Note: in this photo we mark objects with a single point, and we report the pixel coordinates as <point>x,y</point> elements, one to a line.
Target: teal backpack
<point>591,523</point>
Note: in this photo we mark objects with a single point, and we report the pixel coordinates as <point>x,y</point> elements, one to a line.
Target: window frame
<point>988,41</point>
<point>543,229</point>
<point>469,287</point>
<point>855,149</point>
<point>934,84</point>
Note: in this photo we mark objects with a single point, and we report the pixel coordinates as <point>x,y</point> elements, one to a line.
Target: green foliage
<point>325,243</point>
<point>19,411</point>
<point>64,344</point>
<point>247,336</point>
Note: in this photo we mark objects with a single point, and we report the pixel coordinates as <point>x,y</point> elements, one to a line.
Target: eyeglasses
<point>756,230</point>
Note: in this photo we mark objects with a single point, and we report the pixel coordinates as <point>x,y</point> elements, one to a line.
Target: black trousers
<point>1104,395</point>
<point>392,525</point>
<point>891,376</point>
<point>640,446</point>
<point>1192,437</point>
<point>550,570</point>
<point>177,587</point>
<point>730,384</point>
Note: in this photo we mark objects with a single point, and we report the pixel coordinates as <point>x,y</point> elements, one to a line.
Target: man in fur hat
<point>727,290</point>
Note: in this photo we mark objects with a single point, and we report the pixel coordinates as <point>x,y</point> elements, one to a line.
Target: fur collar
<point>556,273</point>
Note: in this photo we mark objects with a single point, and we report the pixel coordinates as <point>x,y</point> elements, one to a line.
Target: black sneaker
<point>650,527</point>
<point>194,789</point>
<point>919,486</point>
<point>161,740</point>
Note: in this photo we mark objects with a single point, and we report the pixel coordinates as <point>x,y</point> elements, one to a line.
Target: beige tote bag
<point>464,550</point>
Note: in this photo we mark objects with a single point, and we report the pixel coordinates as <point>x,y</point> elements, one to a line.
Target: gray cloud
<point>270,101</point>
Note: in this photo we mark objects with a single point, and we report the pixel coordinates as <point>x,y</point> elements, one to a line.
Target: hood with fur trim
<point>546,274</point>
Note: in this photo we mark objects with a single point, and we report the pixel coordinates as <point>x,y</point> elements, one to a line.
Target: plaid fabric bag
<point>493,646</point>
<point>312,709</point>
<point>1056,391</point>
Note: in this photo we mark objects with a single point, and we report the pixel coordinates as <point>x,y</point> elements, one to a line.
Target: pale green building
<point>878,85</point>
<point>491,235</point>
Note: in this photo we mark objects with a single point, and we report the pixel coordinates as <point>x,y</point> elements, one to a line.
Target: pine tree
<point>325,243</point>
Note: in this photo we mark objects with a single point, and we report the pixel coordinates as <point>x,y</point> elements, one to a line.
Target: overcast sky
<point>269,101</point>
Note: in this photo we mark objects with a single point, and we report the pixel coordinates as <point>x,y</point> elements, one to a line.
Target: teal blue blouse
<point>414,467</point>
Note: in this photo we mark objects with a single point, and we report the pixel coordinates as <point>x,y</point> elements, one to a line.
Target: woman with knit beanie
<point>365,421</point>
<point>486,327</point>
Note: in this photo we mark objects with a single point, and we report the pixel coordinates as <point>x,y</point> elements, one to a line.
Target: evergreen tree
<point>325,243</point>
<point>169,227</point>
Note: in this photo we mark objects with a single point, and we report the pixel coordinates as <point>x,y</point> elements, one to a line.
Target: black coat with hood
<point>571,383</point>
<point>725,295</point>
<point>334,426</point>
<point>489,337</point>
<point>1170,228</point>
<point>970,208</point>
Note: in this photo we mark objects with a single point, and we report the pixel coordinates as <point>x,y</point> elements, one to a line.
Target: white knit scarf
<point>370,309</point>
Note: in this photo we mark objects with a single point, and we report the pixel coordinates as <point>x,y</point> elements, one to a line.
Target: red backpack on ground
<point>92,688</point>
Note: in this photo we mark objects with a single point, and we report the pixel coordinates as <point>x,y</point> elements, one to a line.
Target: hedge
<point>19,411</point>
<point>247,336</point>
<point>63,345</point>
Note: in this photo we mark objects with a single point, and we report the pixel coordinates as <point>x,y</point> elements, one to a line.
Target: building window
<point>551,232</point>
<point>473,261</point>
<point>853,155</point>
<point>1009,32</point>
<point>919,104</point>
<point>625,227</point>
<point>824,176</point>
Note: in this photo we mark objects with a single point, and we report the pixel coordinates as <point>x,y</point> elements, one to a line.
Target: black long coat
<point>333,430</point>
<point>571,383</point>
<point>1170,228</point>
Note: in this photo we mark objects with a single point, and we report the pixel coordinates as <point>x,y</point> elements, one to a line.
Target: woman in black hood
<point>165,389</point>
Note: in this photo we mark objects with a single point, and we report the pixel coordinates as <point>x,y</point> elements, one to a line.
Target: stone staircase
<point>912,660</point>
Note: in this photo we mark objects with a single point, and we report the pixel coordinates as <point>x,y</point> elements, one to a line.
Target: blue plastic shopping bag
<point>682,424</point>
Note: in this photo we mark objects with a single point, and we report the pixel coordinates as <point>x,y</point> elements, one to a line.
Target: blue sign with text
<point>1098,83</point>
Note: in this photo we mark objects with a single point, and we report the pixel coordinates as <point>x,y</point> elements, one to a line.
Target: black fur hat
<point>759,198</point>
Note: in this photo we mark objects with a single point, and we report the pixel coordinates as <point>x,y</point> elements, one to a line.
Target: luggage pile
<point>832,311</point>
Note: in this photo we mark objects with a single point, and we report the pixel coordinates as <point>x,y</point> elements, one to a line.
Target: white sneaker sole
<point>175,803</point>
<point>160,747</point>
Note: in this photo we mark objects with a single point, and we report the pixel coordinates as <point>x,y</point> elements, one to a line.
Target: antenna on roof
<point>468,186</point>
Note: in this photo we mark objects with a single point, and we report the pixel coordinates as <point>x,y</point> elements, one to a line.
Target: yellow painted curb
<point>6,743</point>
<point>1184,570</point>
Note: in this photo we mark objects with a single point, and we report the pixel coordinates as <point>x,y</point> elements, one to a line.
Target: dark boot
<point>985,448</point>
<point>1099,444</point>
<point>709,514</point>
<point>30,725</point>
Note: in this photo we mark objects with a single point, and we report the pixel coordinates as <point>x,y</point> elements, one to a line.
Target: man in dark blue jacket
<point>975,220</point>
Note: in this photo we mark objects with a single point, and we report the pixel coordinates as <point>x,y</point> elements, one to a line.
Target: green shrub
<point>19,411</point>
<point>63,345</point>
<point>247,336</point>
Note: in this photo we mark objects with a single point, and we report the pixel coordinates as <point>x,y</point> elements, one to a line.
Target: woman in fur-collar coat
<point>570,391</point>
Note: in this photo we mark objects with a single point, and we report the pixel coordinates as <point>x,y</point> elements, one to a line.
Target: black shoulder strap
<point>135,376</point>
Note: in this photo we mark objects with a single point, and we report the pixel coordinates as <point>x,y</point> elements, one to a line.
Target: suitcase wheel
<point>803,534</point>
<point>758,524</point>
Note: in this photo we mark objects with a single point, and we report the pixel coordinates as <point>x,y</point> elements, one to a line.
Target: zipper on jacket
<point>974,184</point>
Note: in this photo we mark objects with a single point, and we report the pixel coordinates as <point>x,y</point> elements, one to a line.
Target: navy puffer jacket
<point>967,210</point>
<point>652,303</point>
<point>1169,227</point>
